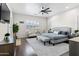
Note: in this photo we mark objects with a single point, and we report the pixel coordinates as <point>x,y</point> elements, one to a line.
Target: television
<point>4,13</point>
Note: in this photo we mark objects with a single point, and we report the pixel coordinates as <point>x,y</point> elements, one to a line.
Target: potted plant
<point>15,30</point>
<point>76,31</point>
<point>6,38</point>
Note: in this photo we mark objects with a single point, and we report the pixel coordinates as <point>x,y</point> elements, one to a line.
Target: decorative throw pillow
<point>65,33</point>
<point>60,32</point>
<point>56,32</point>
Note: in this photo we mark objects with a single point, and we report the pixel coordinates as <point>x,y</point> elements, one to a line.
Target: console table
<point>7,48</point>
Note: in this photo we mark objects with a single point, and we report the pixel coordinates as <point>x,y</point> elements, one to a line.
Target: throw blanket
<point>54,36</point>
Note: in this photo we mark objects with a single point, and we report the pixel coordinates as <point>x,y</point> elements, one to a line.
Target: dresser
<point>74,46</point>
<point>7,48</point>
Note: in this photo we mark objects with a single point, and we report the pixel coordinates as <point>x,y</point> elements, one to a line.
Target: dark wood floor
<point>24,49</point>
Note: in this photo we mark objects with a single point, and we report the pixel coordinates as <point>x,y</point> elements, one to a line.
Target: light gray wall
<point>68,18</point>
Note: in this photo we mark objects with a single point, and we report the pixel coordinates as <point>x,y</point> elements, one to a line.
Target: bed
<point>58,34</point>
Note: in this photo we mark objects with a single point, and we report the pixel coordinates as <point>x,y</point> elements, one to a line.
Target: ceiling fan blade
<point>46,12</point>
<point>47,9</point>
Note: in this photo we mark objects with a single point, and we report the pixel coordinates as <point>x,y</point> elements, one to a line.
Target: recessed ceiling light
<point>66,7</point>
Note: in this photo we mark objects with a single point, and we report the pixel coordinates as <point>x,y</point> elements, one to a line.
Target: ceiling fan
<point>45,10</point>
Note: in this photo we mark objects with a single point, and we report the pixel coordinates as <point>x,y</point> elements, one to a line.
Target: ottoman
<point>44,39</point>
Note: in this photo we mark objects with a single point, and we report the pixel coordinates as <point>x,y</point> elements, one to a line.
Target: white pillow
<point>56,32</point>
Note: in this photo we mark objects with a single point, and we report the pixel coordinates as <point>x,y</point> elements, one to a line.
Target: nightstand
<point>74,46</point>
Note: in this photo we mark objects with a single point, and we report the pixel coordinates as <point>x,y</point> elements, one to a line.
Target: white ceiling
<point>34,8</point>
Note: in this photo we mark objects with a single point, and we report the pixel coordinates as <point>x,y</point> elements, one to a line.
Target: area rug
<point>48,50</point>
<point>65,54</point>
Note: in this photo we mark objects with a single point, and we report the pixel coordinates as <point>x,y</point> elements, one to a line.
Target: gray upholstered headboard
<point>66,29</point>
